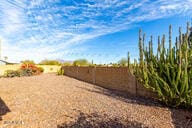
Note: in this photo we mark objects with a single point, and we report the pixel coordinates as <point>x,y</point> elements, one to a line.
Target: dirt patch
<point>51,101</point>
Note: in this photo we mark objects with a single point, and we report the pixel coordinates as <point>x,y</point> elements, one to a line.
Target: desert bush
<point>123,62</point>
<point>81,62</point>
<point>41,69</point>
<point>67,64</point>
<point>169,71</point>
<point>50,62</point>
<point>28,62</point>
<point>60,72</point>
<point>30,69</point>
<point>12,73</point>
<point>26,72</point>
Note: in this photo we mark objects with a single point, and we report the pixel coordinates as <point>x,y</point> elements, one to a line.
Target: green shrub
<point>123,62</point>
<point>28,62</point>
<point>12,73</point>
<point>18,73</point>
<point>26,72</point>
<point>41,69</point>
<point>60,72</point>
<point>81,62</point>
<point>50,62</point>
<point>67,64</point>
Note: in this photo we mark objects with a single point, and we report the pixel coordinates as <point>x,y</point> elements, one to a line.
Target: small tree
<point>81,62</point>
<point>50,62</point>
<point>67,64</point>
<point>28,62</point>
<point>123,62</point>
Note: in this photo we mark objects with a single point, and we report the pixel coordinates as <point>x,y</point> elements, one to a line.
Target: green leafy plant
<point>81,62</point>
<point>169,71</point>
<point>25,70</point>
<point>50,62</point>
<point>60,72</point>
<point>67,64</point>
<point>28,62</point>
<point>41,69</point>
<point>123,62</point>
<point>12,73</point>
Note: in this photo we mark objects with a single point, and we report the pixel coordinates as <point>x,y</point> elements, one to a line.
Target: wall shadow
<point>125,97</point>
<point>3,109</point>
<point>181,118</point>
<point>94,120</point>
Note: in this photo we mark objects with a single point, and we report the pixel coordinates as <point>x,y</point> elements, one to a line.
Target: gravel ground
<point>50,101</point>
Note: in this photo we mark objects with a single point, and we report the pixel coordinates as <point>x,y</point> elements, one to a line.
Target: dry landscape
<point>95,64</point>
<point>50,101</point>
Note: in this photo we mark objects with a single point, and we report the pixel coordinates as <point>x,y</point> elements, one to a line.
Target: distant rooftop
<point>5,62</point>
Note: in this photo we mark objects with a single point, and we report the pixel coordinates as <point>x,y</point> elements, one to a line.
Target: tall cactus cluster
<point>168,71</point>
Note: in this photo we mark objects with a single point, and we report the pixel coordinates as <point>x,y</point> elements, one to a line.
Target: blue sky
<point>99,30</point>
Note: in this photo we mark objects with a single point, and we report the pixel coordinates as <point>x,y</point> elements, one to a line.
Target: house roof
<point>6,62</point>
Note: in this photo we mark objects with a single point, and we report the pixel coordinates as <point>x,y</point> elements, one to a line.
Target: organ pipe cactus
<point>128,60</point>
<point>168,71</point>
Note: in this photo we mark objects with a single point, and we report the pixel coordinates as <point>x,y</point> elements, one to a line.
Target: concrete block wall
<point>85,74</point>
<point>116,78</point>
<point>70,71</point>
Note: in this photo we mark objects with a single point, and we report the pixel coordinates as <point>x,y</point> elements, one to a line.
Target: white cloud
<point>11,20</point>
<point>39,28</point>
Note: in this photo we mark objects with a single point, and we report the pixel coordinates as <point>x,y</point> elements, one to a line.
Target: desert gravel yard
<point>51,101</point>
